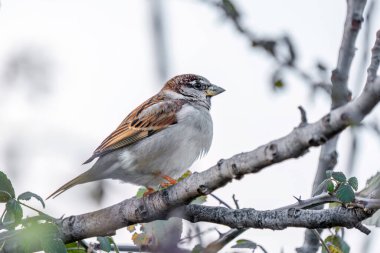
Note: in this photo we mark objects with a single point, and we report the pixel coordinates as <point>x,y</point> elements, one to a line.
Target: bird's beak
<point>214,90</point>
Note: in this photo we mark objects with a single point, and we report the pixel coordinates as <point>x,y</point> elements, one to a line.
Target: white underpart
<point>169,152</point>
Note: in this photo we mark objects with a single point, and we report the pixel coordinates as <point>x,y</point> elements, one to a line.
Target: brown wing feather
<point>152,116</point>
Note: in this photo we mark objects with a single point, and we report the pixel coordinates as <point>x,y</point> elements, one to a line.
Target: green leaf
<point>339,176</point>
<point>131,228</point>
<point>140,192</point>
<point>74,247</point>
<point>197,249</point>
<point>184,175</point>
<point>278,84</point>
<point>353,181</point>
<point>4,196</point>
<point>13,212</point>
<point>6,188</point>
<point>115,248</point>
<point>330,187</point>
<point>244,244</point>
<point>29,195</point>
<point>53,245</point>
<point>9,220</point>
<point>345,193</point>
<point>329,173</point>
<point>336,243</point>
<point>105,244</point>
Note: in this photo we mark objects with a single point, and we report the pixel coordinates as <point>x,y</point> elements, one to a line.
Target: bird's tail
<point>82,178</point>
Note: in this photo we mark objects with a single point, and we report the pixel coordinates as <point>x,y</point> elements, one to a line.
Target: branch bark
<point>340,95</point>
<point>276,219</point>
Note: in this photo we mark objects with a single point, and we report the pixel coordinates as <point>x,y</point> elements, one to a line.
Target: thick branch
<point>276,219</point>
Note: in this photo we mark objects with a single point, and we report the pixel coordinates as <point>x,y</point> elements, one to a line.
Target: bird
<point>159,140</point>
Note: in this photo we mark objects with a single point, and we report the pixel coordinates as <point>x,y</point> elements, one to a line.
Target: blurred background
<point>70,71</point>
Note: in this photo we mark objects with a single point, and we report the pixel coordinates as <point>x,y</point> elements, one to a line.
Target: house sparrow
<point>158,140</point>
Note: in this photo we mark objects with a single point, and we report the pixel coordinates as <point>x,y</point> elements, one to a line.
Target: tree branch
<point>275,219</point>
<point>340,95</point>
<point>159,205</point>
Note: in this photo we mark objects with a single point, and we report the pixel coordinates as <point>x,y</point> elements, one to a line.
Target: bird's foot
<point>148,191</point>
<point>170,181</point>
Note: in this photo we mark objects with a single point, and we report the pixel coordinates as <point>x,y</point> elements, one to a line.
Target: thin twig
<point>303,116</point>
<point>316,233</point>
<point>220,201</point>
<point>235,201</point>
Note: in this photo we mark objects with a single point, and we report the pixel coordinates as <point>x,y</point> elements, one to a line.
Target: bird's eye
<point>198,86</point>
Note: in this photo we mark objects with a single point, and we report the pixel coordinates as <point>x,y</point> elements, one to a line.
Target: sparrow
<point>159,140</point>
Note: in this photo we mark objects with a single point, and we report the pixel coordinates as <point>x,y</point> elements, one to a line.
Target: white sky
<point>101,54</point>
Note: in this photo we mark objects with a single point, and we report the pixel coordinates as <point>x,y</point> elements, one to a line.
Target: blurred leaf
<point>345,193</point>
<point>330,186</point>
<point>185,175</point>
<point>339,176</point>
<point>53,245</point>
<point>131,228</point>
<point>244,244</point>
<point>372,187</point>
<point>9,220</point>
<point>74,247</point>
<point>13,212</point>
<point>29,195</point>
<point>334,204</point>
<point>197,249</point>
<point>230,9</point>
<point>140,192</point>
<point>157,232</point>
<point>332,248</point>
<point>105,243</point>
<point>329,173</point>
<point>4,196</point>
<point>6,188</point>
<point>278,84</point>
<point>374,220</point>
<point>141,239</point>
<point>321,66</point>
<point>115,248</point>
<point>353,181</point>
<point>199,200</point>
<point>336,243</point>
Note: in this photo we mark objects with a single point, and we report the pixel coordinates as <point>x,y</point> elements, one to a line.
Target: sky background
<point>70,71</point>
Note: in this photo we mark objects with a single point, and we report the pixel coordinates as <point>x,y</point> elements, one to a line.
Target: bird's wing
<point>150,117</point>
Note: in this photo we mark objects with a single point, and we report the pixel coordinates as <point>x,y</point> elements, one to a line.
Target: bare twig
<point>220,201</point>
<point>269,45</point>
<point>235,201</point>
<point>303,116</point>
<point>226,238</point>
<point>316,233</point>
